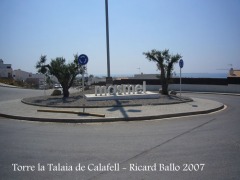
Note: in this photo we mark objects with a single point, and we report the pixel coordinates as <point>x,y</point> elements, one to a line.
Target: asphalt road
<point>201,147</point>
<point>16,93</point>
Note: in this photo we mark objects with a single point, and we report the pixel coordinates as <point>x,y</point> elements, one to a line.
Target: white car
<point>56,86</point>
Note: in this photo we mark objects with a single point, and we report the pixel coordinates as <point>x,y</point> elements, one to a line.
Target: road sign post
<point>180,82</point>
<point>181,63</point>
<point>83,60</point>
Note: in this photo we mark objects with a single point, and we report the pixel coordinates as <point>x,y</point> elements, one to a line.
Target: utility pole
<point>109,78</point>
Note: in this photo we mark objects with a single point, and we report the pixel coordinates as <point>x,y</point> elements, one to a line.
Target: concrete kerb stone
<point>7,85</point>
<point>217,93</point>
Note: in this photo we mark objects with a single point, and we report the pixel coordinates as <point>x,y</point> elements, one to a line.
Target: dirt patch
<point>75,100</point>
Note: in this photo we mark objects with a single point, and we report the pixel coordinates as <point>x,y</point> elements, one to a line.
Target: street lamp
<point>109,78</point>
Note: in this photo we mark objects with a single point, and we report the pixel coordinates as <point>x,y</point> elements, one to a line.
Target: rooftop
<point>234,73</point>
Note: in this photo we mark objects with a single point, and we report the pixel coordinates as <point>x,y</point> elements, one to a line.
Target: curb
<point>8,86</point>
<point>217,93</point>
<point>97,120</point>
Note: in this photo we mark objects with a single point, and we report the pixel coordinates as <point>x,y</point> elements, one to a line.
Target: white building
<point>5,70</point>
<point>146,76</point>
<point>38,79</point>
<point>42,79</point>
<point>234,73</point>
<point>20,75</point>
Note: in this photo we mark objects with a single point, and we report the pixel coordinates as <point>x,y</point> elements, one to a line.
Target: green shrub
<point>56,92</point>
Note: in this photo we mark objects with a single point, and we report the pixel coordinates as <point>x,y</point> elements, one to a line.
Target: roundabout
<point>75,110</point>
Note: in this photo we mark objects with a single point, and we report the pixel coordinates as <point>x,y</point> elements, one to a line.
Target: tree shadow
<point>134,110</point>
<point>121,108</point>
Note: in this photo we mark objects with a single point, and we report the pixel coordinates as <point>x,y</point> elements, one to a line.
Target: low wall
<point>223,85</point>
<point>230,88</point>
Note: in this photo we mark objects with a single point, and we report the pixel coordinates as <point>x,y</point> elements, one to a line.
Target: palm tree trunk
<point>165,88</point>
<point>65,92</point>
<point>164,83</point>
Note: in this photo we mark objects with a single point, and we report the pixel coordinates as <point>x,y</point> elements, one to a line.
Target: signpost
<point>83,60</point>
<point>181,63</point>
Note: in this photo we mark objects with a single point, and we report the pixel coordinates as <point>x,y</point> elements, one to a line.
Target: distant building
<point>20,75</point>
<point>95,80</point>
<point>40,80</point>
<point>5,70</point>
<point>37,80</point>
<point>146,76</point>
<point>234,73</point>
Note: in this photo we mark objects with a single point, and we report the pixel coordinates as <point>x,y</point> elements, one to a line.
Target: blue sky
<point>205,32</point>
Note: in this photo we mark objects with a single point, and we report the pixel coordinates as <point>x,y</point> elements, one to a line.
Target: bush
<point>173,92</point>
<point>56,92</point>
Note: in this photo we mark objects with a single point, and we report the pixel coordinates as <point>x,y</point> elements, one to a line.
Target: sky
<point>205,32</point>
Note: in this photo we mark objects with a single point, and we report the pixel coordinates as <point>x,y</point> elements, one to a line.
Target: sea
<point>183,75</point>
<point>203,75</point>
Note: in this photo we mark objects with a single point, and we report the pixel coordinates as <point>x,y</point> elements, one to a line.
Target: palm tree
<point>165,63</point>
<point>65,73</point>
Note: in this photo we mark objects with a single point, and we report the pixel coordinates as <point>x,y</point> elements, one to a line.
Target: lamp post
<point>109,78</point>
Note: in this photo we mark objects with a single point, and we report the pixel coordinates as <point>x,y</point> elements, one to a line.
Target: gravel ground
<point>76,100</point>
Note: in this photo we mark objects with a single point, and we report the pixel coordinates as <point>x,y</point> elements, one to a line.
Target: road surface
<point>203,147</point>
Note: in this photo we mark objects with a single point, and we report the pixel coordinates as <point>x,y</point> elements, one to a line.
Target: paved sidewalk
<point>7,85</point>
<point>18,110</point>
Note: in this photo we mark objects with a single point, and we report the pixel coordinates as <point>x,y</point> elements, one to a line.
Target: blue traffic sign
<point>181,63</point>
<point>82,59</point>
